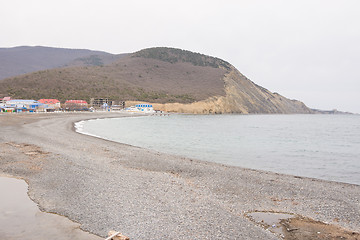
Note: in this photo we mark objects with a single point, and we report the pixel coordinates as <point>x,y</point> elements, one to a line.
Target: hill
<point>173,79</point>
<point>21,60</point>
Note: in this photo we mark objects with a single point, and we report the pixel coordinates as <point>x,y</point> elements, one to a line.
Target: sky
<point>307,50</point>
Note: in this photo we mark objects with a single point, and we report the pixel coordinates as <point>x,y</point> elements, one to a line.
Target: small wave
<point>79,126</point>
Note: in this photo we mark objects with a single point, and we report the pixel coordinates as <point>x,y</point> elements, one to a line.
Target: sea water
<point>319,146</point>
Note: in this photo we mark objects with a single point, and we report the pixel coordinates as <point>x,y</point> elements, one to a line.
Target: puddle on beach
<point>20,218</point>
<point>270,220</point>
<point>294,227</point>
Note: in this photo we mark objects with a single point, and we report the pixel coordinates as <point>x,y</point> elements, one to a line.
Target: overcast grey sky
<point>307,50</point>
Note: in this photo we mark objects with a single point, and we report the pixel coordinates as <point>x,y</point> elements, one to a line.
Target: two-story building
<point>77,105</point>
<point>51,104</point>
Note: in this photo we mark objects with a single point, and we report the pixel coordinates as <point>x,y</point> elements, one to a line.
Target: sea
<point>309,145</point>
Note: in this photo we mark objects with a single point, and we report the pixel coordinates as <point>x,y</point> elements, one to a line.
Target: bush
<point>173,55</point>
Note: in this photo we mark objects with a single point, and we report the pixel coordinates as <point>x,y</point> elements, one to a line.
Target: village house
<point>24,105</point>
<point>3,103</point>
<point>3,106</point>
<point>4,100</point>
<point>77,105</point>
<point>52,104</point>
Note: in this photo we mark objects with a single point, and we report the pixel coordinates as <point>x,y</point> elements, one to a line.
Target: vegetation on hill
<point>174,55</point>
<point>172,79</point>
<point>129,78</point>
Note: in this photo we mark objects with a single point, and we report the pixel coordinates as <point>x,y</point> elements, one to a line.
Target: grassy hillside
<point>131,78</point>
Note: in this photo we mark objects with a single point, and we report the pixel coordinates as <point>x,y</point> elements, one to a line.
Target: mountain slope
<point>21,60</point>
<point>173,79</point>
<point>130,78</point>
<point>241,96</point>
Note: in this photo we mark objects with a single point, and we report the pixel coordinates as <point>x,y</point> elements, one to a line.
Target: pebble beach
<point>144,194</point>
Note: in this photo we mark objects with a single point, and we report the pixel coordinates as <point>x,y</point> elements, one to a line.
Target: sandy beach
<point>144,194</point>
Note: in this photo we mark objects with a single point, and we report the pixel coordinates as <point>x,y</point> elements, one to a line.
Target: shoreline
<point>274,171</point>
<point>105,185</point>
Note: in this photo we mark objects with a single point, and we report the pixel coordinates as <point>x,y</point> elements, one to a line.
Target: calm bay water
<point>320,146</point>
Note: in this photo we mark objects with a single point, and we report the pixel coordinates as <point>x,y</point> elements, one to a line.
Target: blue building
<point>24,105</point>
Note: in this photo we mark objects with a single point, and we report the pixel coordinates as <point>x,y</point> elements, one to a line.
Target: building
<point>117,107</point>
<point>106,103</point>
<point>2,104</point>
<point>76,105</point>
<point>100,102</point>
<point>51,103</point>
<point>4,100</point>
<point>141,108</point>
<point>24,105</point>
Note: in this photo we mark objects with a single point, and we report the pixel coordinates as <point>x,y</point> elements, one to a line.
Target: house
<point>52,104</point>
<point>22,105</point>
<point>2,104</point>
<point>4,100</point>
<point>143,108</point>
<point>78,105</point>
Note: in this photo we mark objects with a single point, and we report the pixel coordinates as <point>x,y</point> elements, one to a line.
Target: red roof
<point>49,101</point>
<point>6,99</point>
<point>76,101</point>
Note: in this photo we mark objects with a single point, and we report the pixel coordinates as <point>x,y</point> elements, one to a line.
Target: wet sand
<point>20,218</point>
<point>145,194</point>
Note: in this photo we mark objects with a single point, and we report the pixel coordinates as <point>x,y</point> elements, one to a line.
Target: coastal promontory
<point>173,80</point>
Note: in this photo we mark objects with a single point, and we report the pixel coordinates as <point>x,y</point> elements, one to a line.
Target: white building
<point>141,108</point>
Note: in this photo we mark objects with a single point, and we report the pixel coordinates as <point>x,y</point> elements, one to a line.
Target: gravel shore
<point>145,194</point>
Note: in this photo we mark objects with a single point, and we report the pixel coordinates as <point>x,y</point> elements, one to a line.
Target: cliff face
<point>241,96</point>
